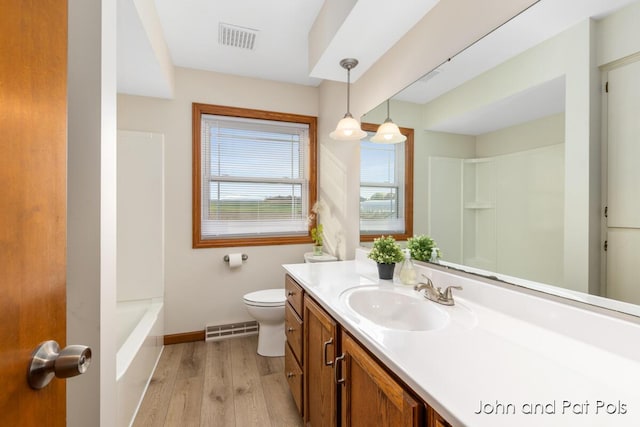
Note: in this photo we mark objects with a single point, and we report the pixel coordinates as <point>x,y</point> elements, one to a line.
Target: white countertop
<point>501,347</point>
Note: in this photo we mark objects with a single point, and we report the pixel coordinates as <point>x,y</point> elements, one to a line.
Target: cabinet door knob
<point>326,344</point>
<point>290,329</point>
<point>290,293</point>
<point>335,372</point>
<point>290,375</point>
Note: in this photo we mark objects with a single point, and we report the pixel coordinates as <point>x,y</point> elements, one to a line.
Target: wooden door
<point>33,135</point>
<point>623,175</point>
<point>371,397</point>
<point>320,341</point>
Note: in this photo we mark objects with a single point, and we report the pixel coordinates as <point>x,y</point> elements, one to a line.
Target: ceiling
<point>302,42</point>
<point>296,41</point>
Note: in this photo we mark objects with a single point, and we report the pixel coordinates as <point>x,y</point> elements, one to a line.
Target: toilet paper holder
<point>244,257</point>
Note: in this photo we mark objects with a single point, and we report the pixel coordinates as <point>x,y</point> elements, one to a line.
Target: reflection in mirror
<point>518,150</point>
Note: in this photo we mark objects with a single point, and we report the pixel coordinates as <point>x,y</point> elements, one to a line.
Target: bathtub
<point>140,341</point>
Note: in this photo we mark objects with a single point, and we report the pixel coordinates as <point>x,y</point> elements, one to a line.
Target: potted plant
<point>423,248</point>
<point>316,236</point>
<point>386,252</point>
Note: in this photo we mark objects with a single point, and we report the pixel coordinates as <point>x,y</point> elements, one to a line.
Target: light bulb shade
<point>388,133</point>
<point>348,129</point>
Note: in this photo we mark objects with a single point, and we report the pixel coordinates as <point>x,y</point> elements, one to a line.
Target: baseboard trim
<point>184,337</point>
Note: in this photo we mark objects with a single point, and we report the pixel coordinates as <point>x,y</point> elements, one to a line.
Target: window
<point>386,187</point>
<point>254,176</point>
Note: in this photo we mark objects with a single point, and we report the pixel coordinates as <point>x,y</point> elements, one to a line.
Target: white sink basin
<point>395,308</point>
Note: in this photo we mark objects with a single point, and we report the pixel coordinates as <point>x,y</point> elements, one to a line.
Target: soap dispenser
<point>408,274</point>
<point>434,255</point>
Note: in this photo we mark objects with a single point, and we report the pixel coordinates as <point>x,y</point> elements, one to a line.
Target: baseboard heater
<point>219,332</point>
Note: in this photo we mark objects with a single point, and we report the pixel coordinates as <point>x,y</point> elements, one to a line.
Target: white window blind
<point>255,177</point>
<point>382,205</point>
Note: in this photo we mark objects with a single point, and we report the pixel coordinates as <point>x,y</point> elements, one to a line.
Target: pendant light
<point>348,128</point>
<point>388,132</point>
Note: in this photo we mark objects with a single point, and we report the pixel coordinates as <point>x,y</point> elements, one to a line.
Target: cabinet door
<point>294,376</point>
<point>623,175</point>
<point>320,340</point>
<point>371,397</point>
<point>435,420</point>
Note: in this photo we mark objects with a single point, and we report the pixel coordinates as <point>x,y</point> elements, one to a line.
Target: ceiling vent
<point>235,36</point>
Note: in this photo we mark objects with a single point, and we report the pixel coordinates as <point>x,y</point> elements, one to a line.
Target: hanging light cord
<point>348,91</point>
<point>348,64</point>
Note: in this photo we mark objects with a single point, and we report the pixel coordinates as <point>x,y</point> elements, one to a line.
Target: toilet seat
<point>266,298</point>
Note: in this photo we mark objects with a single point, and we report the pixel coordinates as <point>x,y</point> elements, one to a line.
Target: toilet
<point>267,307</point>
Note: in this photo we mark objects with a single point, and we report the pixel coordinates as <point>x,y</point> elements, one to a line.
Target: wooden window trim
<point>408,184</point>
<point>197,111</point>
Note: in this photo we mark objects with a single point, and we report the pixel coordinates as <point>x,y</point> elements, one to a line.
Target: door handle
<point>48,361</point>
<point>324,352</point>
<point>335,372</point>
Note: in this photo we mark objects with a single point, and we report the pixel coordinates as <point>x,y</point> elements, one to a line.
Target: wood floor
<point>221,383</point>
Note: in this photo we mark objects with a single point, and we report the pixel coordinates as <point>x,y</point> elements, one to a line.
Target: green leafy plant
<point>316,235</point>
<point>386,251</point>
<point>421,247</point>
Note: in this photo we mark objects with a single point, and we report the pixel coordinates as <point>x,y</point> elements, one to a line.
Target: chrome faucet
<point>436,294</point>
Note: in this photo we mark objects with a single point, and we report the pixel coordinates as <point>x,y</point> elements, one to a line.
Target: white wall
<point>140,216</point>
<point>339,175</point>
<point>91,222</point>
<point>199,287</point>
<point>526,136</point>
<point>444,200</point>
<point>618,36</point>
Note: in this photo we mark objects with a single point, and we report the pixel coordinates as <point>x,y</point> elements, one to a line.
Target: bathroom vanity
<point>374,352</point>
<point>370,393</point>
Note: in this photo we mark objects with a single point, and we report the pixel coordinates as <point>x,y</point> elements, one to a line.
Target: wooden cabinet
<point>294,351</point>
<point>435,420</point>
<point>353,389</point>
<point>320,391</point>
<point>370,395</point>
<point>294,377</point>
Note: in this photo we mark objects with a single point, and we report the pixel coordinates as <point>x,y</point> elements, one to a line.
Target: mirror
<point>513,141</point>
